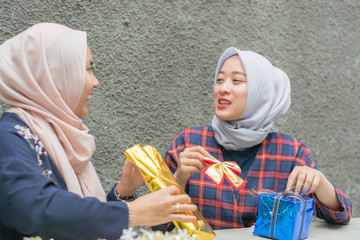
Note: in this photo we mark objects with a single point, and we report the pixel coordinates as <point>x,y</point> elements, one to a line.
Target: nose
<point>224,88</point>
<point>95,82</point>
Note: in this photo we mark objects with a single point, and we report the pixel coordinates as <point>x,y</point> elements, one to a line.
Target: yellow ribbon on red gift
<point>217,170</point>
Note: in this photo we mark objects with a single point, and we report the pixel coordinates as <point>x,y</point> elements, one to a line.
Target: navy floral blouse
<point>42,158</point>
<point>34,200</point>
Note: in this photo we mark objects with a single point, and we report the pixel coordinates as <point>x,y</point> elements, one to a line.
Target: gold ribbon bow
<point>217,170</point>
<point>157,175</point>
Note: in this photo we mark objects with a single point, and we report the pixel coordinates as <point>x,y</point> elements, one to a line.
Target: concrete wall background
<point>155,61</point>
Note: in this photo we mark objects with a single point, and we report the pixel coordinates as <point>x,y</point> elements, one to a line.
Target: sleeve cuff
<point>337,217</point>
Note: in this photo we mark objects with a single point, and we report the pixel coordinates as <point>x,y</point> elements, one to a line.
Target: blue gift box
<point>283,215</point>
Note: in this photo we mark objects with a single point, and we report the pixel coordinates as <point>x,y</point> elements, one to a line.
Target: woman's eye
<point>219,80</point>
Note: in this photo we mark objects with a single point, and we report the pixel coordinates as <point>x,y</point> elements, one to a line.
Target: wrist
<point>123,190</point>
<point>131,217</point>
<point>327,196</point>
<point>324,185</point>
<point>127,196</point>
<point>324,188</point>
<point>178,177</point>
<point>135,219</point>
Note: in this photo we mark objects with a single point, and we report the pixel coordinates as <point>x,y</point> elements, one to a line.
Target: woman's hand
<point>131,179</point>
<point>160,207</point>
<point>190,162</point>
<point>307,180</point>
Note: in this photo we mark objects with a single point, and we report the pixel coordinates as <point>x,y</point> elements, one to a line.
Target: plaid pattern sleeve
<point>337,217</point>
<point>222,207</point>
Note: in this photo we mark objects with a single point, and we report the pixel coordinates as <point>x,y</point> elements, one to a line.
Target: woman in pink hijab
<point>48,186</point>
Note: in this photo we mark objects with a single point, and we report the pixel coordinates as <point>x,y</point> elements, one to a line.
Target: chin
<point>83,115</point>
<point>222,117</point>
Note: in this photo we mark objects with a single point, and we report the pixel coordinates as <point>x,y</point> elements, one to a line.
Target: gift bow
<point>217,170</point>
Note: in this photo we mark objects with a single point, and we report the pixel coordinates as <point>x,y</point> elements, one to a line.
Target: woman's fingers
<point>173,194</point>
<point>315,184</point>
<point>131,179</point>
<point>162,206</point>
<point>196,164</point>
<point>180,203</point>
<point>308,181</point>
<point>193,157</point>
<point>172,190</point>
<point>182,218</point>
<point>300,182</point>
<point>199,149</point>
<point>190,162</point>
<point>292,179</point>
<point>304,179</point>
<point>196,156</point>
<point>179,208</point>
<point>196,152</point>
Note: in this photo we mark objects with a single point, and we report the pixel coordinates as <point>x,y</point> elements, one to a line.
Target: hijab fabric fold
<point>42,77</point>
<point>268,97</point>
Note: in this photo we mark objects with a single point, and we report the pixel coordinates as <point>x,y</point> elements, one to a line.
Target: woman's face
<point>230,90</point>
<point>90,83</point>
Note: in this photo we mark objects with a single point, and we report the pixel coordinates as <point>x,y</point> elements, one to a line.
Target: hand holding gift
<point>157,175</point>
<point>190,162</point>
<point>196,159</point>
<point>161,207</point>
<point>131,179</point>
<point>306,180</point>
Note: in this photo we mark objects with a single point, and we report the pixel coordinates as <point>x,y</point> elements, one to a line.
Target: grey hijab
<point>268,97</point>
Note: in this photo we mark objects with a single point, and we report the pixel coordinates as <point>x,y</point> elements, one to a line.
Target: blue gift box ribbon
<point>276,210</point>
<point>276,205</point>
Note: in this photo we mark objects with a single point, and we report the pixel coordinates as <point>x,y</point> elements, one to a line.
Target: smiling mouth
<point>224,102</point>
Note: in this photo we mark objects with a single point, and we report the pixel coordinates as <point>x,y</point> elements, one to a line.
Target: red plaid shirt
<point>276,157</point>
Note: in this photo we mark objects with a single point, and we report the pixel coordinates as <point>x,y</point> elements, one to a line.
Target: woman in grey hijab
<point>249,95</point>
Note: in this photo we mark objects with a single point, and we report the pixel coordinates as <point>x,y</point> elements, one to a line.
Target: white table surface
<point>319,230</point>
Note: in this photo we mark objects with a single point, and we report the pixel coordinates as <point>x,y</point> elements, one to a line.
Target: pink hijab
<point>42,77</point>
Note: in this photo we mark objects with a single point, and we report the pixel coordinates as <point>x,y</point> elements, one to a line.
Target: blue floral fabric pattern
<point>35,144</point>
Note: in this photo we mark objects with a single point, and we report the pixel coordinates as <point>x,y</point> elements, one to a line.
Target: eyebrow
<point>235,72</point>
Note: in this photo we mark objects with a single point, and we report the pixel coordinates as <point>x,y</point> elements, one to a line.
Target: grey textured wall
<point>155,61</point>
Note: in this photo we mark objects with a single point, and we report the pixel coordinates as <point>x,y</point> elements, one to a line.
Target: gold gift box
<point>157,175</point>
